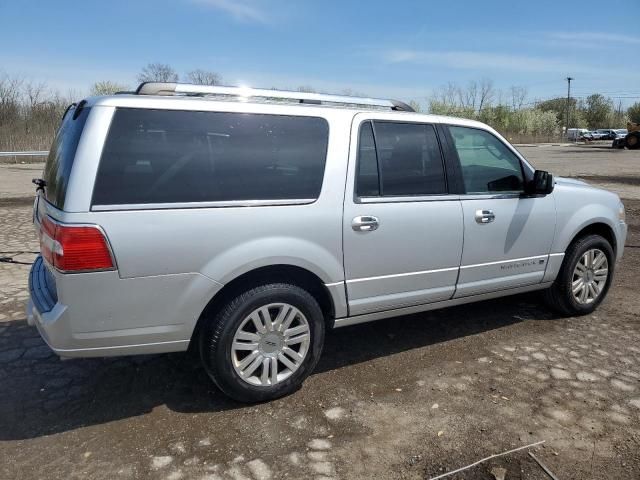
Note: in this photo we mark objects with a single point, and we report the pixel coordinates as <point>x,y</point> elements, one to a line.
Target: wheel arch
<point>597,228</point>
<point>280,273</point>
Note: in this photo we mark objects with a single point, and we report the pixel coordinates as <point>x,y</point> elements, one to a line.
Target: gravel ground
<point>410,397</point>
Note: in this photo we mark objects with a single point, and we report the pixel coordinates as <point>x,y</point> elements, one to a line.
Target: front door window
<point>488,166</point>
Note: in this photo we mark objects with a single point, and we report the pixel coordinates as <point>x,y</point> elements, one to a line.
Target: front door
<point>507,235</point>
<point>402,230</point>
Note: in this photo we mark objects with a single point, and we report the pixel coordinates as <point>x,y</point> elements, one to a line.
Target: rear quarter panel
<point>220,243</point>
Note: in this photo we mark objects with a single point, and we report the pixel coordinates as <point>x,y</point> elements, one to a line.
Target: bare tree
<point>518,96</point>
<point>447,95</point>
<point>29,114</point>
<point>9,98</point>
<point>486,93</point>
<point>158,72</point>
<point>306,89</point>
<point>107,87</point>
<point>467,98</point>
<point>34,92</point>
<point>204,77</point>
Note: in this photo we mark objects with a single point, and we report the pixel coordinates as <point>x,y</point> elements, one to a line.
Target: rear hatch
<point>65,247</point>
<point>50,196</point>
<point>52,187</point>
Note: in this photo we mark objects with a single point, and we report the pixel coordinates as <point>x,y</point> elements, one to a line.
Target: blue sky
<point>402,49</point>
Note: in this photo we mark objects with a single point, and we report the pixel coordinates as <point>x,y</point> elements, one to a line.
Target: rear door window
<point>409,161</point>
<point>409,158</point>
<point>165,156</point>
<point>57,170</point>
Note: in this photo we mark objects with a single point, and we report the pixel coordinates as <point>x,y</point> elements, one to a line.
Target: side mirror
<point>542,183</point>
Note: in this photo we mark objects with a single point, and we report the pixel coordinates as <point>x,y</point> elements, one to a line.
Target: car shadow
<point>44,395</point>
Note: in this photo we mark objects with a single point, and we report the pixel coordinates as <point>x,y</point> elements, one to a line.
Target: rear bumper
<point>99,314</point>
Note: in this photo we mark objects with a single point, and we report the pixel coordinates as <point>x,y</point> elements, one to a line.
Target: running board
<point>370,317</point>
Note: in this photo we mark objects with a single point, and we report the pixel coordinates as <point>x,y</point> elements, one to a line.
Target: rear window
<point>399,159</point>
<point>63,151</point>
<point>409,158</point>
<point>164,156</point>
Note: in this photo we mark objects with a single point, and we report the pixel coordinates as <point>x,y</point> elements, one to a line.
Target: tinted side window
<point>62,154</point>
<point>164,156</point>
<point>367,181</point>
<point>409,159</point>
<point>487,164</point>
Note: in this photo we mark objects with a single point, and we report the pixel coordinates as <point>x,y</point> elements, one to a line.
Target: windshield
<point>63,151</point>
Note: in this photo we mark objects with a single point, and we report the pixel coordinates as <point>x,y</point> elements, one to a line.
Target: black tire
<point>218,333</point>
<point>559,296</point>
<point>633,141</point>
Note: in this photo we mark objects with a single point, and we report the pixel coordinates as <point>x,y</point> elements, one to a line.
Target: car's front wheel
<point>264,342</point>
<point>585,276</point>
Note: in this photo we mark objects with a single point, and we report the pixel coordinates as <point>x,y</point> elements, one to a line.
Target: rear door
<point>402,229</point>
<point>507,234</point>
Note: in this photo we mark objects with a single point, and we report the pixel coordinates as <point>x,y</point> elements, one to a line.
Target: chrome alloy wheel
<point>590,276</point>
<point>270,344</point>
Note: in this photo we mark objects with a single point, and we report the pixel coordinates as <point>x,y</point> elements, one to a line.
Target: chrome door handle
<point>485,216</point>
<point>365,223</point>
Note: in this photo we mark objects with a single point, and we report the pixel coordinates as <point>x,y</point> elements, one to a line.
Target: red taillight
<point>74,248</point>
<point>47,239</point>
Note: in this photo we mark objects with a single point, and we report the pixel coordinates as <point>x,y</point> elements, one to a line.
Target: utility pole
<point>566,132</point>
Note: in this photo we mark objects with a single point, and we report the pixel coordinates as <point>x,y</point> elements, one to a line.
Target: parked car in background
<point>595,135</point>
<point>588,136</point>
<point>574,134</point>
<point>607,133</point>
<point>245,223</point>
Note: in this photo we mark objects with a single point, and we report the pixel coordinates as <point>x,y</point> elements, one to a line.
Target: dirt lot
<point>409,397</point>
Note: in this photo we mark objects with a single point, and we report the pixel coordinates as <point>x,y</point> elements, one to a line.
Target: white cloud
<point>242,10</point>
<point>482,60</point>
<point>594,38</point>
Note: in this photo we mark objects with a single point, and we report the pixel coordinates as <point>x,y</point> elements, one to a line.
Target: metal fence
<point>29,154</point>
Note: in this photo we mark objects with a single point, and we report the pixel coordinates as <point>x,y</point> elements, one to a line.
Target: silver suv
<point>244,223</point>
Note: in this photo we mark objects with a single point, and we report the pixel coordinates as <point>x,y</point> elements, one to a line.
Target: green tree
<point>415,105</point>
<point>633,112</point>
<point>559,107</point>
<point>497,116</point>
<point>438,107</point>
<point>107,87</point>
<point>597,111</point>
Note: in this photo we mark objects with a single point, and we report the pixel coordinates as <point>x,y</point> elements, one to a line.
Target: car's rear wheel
<point>584,278</point>
<point>264,342</point>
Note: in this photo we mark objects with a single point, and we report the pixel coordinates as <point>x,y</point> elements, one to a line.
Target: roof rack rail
<point>187,89</point>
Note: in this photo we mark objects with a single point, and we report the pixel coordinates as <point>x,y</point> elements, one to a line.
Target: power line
<point>616,92</point>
